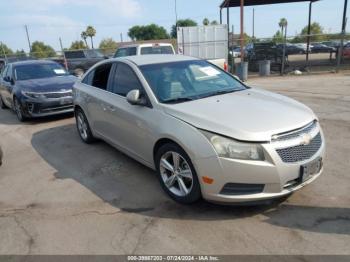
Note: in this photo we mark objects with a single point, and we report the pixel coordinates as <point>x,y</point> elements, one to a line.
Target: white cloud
<point>123,8</point>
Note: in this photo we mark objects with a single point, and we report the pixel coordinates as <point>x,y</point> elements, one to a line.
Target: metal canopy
<point>236,3</point>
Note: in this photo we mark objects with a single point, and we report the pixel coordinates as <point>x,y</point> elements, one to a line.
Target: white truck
<point>205,42</point>
<point>145,49</point>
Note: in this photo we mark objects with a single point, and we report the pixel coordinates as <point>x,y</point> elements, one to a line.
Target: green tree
<point>20,53</point>
<point>316,32</point>
<point>214,22</point>
<point>5,49</point>
<point>181,23</point>
<point>278,37</point>
<point>84,36</point>
<point>77,45</point>
<point>147,32</point>
<point>108,43</point>
<point>41,50</point>
<point>91,32</point>
<point>283,25</point>
<point>206,21</point>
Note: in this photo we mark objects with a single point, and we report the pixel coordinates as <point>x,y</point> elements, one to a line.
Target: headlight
<point>229,148</point>
<point>33,94</point>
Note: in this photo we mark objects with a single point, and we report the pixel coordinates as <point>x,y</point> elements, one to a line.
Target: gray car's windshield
<point>183,81</point>
<point>36,71</point>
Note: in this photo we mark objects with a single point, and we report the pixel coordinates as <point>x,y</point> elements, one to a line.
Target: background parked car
<point>304,47</point>
<point>321,48</point>
<point>346,50</point>
<point>79,61</point>
<point>36,88</point>
<point>145,49</point>
<point>291,49</point>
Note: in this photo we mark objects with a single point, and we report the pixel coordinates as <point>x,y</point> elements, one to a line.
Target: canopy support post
<point>343,30</point>
<point>308,35</point>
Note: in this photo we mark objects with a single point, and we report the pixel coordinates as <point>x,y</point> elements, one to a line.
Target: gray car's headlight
<point>229,148</point>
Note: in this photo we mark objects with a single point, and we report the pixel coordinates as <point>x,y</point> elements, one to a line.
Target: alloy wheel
<point>176,173</point>
<point>82,126</point>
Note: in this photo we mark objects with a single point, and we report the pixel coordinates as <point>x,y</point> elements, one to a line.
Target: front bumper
<point>277,177</point>
<point>40,108</point>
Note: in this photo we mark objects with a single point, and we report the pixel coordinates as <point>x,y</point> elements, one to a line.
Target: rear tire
<point>83,127</point>
<point>177,175</point>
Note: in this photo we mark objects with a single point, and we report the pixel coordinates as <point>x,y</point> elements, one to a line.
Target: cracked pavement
<point>60,196</point>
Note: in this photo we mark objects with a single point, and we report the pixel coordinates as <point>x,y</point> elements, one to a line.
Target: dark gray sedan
<point>36,88</point>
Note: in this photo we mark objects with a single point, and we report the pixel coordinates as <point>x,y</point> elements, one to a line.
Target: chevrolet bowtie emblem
<point>305,139</point>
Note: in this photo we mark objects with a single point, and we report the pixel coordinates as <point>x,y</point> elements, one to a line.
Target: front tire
<point>2,104</point>
<point>18,110</point>
<point>83,127</point>
<point>177,175</point>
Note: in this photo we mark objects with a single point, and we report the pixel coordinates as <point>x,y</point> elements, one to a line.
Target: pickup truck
<point>79,61</point>
<point>145,49</point>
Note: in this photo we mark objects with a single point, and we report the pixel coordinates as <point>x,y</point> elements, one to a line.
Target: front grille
<point>58,94</point>
<point>300,152</point>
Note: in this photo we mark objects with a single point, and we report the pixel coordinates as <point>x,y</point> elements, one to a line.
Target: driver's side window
<point>125,80</point>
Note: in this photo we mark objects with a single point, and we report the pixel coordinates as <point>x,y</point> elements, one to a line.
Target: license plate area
<point>310,169</point>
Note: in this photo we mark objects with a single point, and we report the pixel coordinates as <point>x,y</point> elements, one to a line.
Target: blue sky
<point>48,20</point>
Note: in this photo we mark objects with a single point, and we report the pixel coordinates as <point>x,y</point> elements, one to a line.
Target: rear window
<point>128,51</point>
<point>74,54</point>
<point>151,50</point>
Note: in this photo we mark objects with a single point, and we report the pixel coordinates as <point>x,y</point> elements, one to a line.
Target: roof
<point>32,62</point>
<point>236,3</point>
<point>156,59</point>
<point>146,45</point>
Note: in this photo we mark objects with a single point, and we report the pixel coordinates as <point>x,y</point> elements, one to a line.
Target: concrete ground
<point>60,196</point>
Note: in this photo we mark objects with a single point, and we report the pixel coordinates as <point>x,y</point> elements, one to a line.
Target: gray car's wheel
<point>18,110</point>
<point>83,127</point>
<point>177,174</point>
<point>2,104</point>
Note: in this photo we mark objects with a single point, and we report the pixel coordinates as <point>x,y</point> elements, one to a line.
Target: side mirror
<point>134,98</point>
<point>9,79</point>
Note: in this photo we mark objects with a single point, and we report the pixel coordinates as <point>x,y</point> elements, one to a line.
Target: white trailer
<point>205,42</point>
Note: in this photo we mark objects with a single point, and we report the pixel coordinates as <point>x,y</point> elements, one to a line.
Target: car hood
<point>52,84</point>
<point>249,115</point>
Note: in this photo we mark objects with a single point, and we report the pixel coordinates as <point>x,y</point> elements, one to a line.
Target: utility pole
<point>64,55</point>
<point>343,31</point>
<point>121,37</point>
<point>175,13</point>
<point>253,23</point>
<point>242,30</point>
<point>30,45</point>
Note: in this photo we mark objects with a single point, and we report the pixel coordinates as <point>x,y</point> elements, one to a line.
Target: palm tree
<point>91,32</point>
<point>283,24</point>
<point>84,36</point>
<point>206,21</point>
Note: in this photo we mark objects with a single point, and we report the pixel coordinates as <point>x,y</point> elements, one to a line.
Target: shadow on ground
<point>132,187</point>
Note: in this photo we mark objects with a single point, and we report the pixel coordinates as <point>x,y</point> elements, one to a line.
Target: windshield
<point>35,71</point>
<point>151,50</point>
<point>188,80</point>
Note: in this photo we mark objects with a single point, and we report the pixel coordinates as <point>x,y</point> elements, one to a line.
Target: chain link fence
<point>291,55</point>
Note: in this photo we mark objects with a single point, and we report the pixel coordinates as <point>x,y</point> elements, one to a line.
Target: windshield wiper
<point>177,100</point>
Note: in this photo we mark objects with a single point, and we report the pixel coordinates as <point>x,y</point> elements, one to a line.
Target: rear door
<point>94,96</point>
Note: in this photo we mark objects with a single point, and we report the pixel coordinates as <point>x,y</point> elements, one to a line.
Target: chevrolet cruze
<point>205,133</point>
